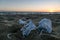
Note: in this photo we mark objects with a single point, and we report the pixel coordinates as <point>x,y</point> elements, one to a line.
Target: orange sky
<point>30,5</point>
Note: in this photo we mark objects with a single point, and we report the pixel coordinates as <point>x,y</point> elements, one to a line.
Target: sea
<point>25,13</point>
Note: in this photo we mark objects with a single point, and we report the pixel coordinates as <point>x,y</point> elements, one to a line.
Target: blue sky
<point>29,5</point>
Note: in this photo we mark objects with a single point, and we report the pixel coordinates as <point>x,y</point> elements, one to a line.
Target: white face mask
<point>46,24</point>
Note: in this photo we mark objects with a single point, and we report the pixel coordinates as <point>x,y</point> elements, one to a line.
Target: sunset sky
<point>30,5</point>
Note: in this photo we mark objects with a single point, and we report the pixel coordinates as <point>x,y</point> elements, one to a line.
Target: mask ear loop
<point>8,35</point>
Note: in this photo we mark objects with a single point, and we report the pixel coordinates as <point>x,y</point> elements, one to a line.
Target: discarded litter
<point>27,28</point>
<point>43,24</point>
<point>46,24</point>
<point>21,21</point>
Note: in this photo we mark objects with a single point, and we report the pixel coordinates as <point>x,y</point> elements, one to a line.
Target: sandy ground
<point>9,23</point>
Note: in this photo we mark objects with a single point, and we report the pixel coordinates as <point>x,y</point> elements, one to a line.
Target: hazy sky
<point>30,5</point>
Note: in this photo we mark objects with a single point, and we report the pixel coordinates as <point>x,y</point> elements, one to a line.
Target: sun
<point>51,10</point>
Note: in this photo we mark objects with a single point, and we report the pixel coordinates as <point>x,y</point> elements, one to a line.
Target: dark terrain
<point>9,23</point>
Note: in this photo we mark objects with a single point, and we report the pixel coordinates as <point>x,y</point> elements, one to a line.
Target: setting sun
<point>51,10</point>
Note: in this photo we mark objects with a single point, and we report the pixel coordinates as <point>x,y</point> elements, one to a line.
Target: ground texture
<point>9,24</point>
